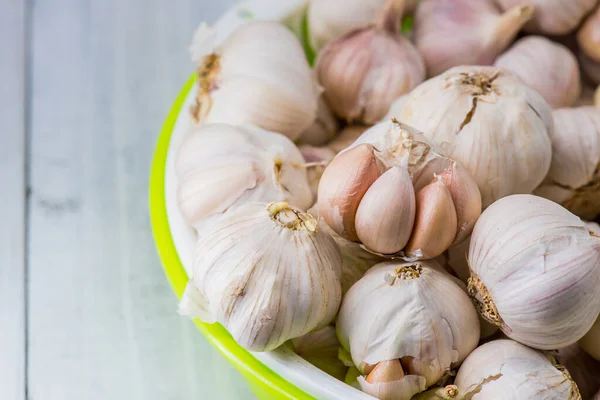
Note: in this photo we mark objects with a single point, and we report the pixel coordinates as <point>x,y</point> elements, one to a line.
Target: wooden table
<point>85,310</point>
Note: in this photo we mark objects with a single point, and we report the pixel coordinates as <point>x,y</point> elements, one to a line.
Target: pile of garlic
<point>405,214</point>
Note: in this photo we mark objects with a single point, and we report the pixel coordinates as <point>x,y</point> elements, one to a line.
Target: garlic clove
<point>435,222</point>
<point>343,185</point>
<point>386,371</point>
<point>591,341</point>
<point>385,216</point>
<point>535,60</point>
<point>450,33</point>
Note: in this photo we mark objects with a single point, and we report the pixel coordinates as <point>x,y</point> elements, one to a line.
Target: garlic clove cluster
<point>363,71</point>
<point>553,17</point>
<point>506,370</point>
<point>449,33</point>
<point>422,325</point>
<point>535,59</point>
<point>320,348</point>
<point>574,177</point>
<point>267,273</point>
<point>323,129</point>
<point>221,166</point>
<point>487,119</point>
<point>258,76</point>
<point>588,37</point>
<point>534,271</point>
<point>591,341</point>
<point>393,192</point>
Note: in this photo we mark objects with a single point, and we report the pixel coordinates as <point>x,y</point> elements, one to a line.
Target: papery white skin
<point>574,176</point>
<point>428,317</point>
<point>487,119</point>
<point>553,17</point>
<point>593,227</point>
<point>264,282</point>
<point>535,59</point>
<point>323,129</point>
<point>591,341</point>
<point>395,108</point>
<point>582,368</point>
<point>320,348</point>
<point>449,33</point>
<point>540,267</point>
<point>507,370</point>
<point>220,166</point>
<point>260,76</point>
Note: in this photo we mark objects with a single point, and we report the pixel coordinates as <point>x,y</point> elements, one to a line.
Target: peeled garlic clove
<point>435,223</point>
<point>574,179</point>
<point>449,33</point>
<point>582,368</point>
<point>320,348</point>
<point>385,216</point>
<point>346,137</point>
<point>268,274</point>
<point>507,370</point>
<point>274,91</point>
<point>343,184</point>
<point>415,312</point>
<point>323,129</point>
<point>221,166</point>
<point>534,271</point>
<point>489,121</point>
<point>535,59</point>
<point>553,17</point>
<point>442,393</point>
<point>316,159</point>
<point>364,71</point>
<point>591,341</point>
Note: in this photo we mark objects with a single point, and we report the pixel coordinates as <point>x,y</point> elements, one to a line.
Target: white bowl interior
<point>283,361</point>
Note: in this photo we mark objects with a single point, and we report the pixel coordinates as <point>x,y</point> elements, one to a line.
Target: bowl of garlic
<point>349,209</point>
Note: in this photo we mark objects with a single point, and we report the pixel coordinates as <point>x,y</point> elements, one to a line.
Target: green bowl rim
<point>218,336</point>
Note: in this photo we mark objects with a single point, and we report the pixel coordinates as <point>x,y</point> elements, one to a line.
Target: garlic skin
<point>574,176</point>
<point>588,36</point>
<point>267,273</point>
<point>316,159</point>
<point>591,341</point>
<point>395,108</point>
<point>506,370</point>
<point>582,368</point>
<point>535,59</point>
<point>534,271</point>
<point>346,137</point>
<point>320,348</point>
<point>221,166</point>
<point>449,33</point>
<point>275,91</point>
<point>363,71</point>
<point>323,129</point>
<point>553,17</point>
<point>594,227</point>
<point>489,121</point>
<point>416,313</point>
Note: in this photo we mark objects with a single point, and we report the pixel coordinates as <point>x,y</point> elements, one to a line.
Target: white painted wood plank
<point>103,322</point>
<point>12,209</point>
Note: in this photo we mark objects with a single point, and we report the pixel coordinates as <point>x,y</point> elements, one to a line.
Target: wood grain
<point>102,319</point>
<point>12,211</point>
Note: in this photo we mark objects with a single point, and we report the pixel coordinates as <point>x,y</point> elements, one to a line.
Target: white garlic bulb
<point>398,195</point>
<point>487,119</point>
<point>346,137</point>
<point>553,17</point>
<point>363,71</point>
<point>574,179</point>
<point>220,166</point>
<point>259,76</point>
<point>591,341</point>
<point>267,273</point>
<point>507,370</point>
<point>588,36</point>
<point>449,33</point>
<point>534,271</point>
<point>316,159</point>
<point>323,129</point>
<point>320,348</point>
<point>395,108</point>
<point>535,59</point>
<point>405,325</point>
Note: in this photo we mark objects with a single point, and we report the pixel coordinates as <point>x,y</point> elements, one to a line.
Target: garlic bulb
<point>415,326</point>
<point>258,76</point>
<point>320,348</point>
<point>507,370</point>
<point>574,177</point>
<point>487,119</point>
<point>554,17</point>
<point>267,273</point>
<point>396,194</point>
<point>535,60</point>
<point>220,166</point>
<point>323,129</point>
<point>534,271</point>
<point>363,71</point>
<point>395,108</point>
<point>582,368</point>
<point>346,137</point>
<point>449,33</point>
<point>594,227</point>
<point>588,36</point>
<point>591,341</point>
<point>316,159</point>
